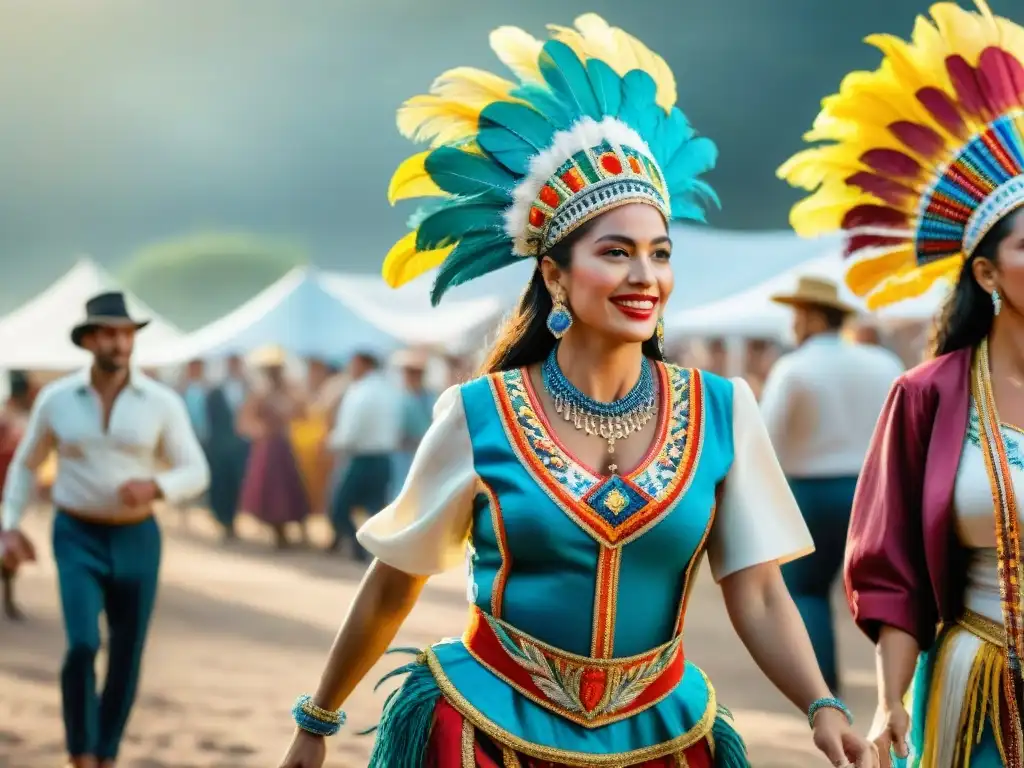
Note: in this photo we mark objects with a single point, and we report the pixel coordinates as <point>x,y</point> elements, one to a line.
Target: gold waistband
<point>984,628</point>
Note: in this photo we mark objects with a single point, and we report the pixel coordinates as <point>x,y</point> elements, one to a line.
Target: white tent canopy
<point>752,313</point>
<point>407,314</point>
<point>36,335</point>
<point>327,316</point>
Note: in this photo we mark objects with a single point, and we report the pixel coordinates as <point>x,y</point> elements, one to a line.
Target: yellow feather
<point>864,275</point>
<point>411,180</point>
<point>472,87</point>
<point>519,51</point>
<point>404,263</point>
<point>822,212</point>
<point>594,38</point>
<point>809,168</point>
<point>966,33</point>
<point>437,120</point>
<point>914,283</point>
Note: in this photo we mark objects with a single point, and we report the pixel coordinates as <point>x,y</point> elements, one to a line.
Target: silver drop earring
<point>997,301</point>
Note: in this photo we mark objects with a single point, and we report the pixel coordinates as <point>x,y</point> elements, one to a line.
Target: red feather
<point>891,162</point>
<point>941,107</point>
<point>1001,78</point>
<point>855,243</point>
<point>883,188</point>
<point>873,216</point>
<point>968,90</point>
<point>920,138</point>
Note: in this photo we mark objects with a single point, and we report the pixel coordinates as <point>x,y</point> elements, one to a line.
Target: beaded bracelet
<point>828,702</point>
<point>316,720</point>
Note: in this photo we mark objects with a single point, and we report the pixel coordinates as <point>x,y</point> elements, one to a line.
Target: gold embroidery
<point>606,599</point>
<point>501,578</point>
<point>615,502</point>
<point>509,759</point>
<point>468,744</point>
<point>502,737</point>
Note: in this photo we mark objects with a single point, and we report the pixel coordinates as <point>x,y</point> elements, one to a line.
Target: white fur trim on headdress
<point>583,135</point>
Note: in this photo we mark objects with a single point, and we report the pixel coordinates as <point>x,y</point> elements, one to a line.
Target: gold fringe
<point>981,695</point>
<point>509,759</point>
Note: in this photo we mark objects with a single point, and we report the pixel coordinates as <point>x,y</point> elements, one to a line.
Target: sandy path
<point>239,632</point>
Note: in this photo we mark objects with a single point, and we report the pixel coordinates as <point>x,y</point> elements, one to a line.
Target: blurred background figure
<point>366,437</point>
<point>820,404</point>
<point>273,490</point>
<point>309,434</point>
<point>227,448</point>
<point>417,403</point>
<point>13,420</point>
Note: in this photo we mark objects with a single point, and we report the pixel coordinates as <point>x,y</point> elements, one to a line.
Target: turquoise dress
<point>579,582</point>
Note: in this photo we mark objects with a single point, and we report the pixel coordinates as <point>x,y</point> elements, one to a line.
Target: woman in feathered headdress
<point>925,170</point>
<point>584,478</point>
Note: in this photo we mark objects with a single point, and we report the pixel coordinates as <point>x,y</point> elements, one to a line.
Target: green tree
<point>195,279</point>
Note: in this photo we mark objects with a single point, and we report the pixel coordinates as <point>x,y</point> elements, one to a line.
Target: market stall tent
<point>36,335</point>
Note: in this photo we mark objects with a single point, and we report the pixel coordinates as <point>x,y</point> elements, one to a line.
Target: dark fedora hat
<point>107,310</point>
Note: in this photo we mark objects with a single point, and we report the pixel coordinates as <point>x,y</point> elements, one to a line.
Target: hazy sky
<point>123,122</point>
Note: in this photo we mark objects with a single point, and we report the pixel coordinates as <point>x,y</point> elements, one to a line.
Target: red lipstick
<point>636,306</point>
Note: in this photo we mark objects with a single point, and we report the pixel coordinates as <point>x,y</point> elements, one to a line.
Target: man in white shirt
<point>123,441</point>
<point>820,404</point>
<point>368,432</point>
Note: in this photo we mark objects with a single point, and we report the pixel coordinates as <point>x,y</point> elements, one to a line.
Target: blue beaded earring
<point>559,318</point>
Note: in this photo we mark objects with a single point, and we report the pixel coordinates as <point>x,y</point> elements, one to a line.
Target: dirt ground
<point>239,631</point>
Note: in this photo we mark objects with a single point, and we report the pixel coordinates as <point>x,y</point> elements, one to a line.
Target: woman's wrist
<point>828,704</point>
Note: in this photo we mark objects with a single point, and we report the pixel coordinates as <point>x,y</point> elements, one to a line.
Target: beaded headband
<point>589,124</point>
<point>926,153</point>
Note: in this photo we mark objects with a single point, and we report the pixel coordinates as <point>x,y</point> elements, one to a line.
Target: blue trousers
<point>825,503</point>
<point>109,569</point>
<point>366,484</point>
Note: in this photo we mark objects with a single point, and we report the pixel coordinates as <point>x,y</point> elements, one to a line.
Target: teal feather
<point>607,86</point>
<point>730,751</point>
<point>514,133</point>
<point>427,207</point>
<point>639,109</point>
<point>697,156</point>
<point>475,255</point>
<point>565,73</point>
<point>457,221</point>
<point>463,173</point>
<point>548,104</point>
<point>403,734</point>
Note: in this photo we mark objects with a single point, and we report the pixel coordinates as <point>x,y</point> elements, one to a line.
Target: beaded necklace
<point>613,421</point>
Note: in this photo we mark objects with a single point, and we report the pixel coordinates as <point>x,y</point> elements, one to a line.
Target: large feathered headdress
<point>926,153</point>
<point>589,123</point>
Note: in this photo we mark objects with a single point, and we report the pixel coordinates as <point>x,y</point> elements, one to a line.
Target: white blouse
<point>426,529</point>
<point>975,516</point>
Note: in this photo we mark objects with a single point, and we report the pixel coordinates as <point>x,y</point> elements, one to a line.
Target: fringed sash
<point>1008,549</point>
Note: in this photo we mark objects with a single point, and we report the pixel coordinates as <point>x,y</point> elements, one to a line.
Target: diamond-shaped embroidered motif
<point>616,500</point>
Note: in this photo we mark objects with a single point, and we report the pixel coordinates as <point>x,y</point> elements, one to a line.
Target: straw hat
<point>814,292</point>
<point>270,356</point>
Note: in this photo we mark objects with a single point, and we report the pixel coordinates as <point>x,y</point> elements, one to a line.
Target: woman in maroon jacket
<point>926,173</point>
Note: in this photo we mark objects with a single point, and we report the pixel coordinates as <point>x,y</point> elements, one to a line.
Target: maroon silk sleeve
<point>886,575</point>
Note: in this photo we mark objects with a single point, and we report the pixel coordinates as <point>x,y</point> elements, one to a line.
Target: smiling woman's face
<point>620,277</point>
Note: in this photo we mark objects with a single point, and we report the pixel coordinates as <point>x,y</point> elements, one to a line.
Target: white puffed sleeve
<point>757,520</point>
<point>424,531</point>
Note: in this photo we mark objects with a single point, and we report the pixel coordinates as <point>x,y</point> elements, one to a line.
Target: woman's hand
<point>837,740</point>
<point>306,751</point>
<point>889,730</point>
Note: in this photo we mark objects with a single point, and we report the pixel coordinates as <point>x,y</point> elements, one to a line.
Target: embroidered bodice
<point>975,516</point>
<point>579,581</point>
